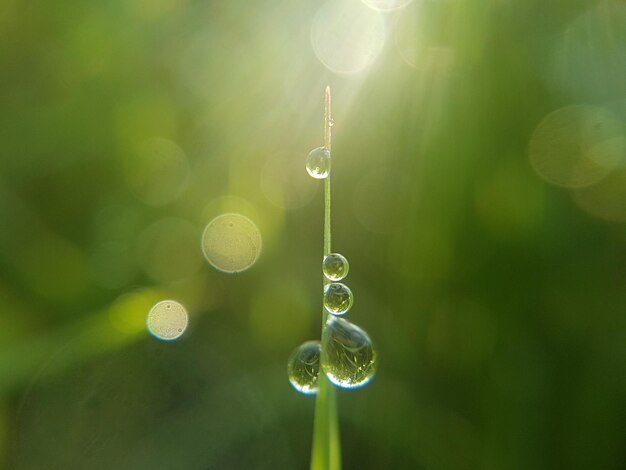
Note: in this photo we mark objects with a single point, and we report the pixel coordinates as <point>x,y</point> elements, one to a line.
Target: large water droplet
<point>303,367</point>
<point>337,298</point>
<point>318,163</point>
<point>335,267</point>
<point>348,357</point>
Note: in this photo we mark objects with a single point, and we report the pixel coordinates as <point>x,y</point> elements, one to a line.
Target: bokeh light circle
<point>347,36</point>
<point>386,5</point>
<point>568,147</point>
<point>167,320</point>
<point>231,243</point>
<point>605,199</point>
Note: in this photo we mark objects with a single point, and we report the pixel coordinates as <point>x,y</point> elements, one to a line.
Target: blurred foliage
<point>496,300</point>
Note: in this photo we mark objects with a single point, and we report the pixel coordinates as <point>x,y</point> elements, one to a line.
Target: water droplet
<point>167,320</point>
<point>335,267</point>
<point>331,122</point>
<point>303,367</point>
<point>318,163</point>
<point>348,357</point>
<point>337,298</point>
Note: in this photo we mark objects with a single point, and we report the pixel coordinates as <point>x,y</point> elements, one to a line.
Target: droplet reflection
<point>337,298</point>
<point>318,163</point>
<point>348,356</point>
<point>335,267</point>
<point>303,367</point>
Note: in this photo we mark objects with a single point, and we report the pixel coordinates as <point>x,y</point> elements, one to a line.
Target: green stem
<point>326,453</point>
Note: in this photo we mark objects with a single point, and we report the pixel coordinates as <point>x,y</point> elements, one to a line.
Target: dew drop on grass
<point>318,163</point>
<point>335,267</point>
<point>337,298</point>
<point>303,367</point>
<point>348,358</point>
<point>167,320</point>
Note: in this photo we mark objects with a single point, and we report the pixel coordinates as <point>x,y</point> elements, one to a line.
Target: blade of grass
<point>326,452</point>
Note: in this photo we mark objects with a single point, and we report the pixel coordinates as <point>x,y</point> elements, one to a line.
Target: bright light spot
<point>386,5</point>
<point>167,320</point>
<point>570,146</point>
<point>347,36</point>
<point>231,243</point>
<point>158,172</point>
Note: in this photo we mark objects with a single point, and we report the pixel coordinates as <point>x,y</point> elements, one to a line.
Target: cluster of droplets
<point>346,354</point>
<point>337,296</point>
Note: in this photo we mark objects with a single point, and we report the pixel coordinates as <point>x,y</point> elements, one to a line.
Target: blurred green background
<point>496,299</point>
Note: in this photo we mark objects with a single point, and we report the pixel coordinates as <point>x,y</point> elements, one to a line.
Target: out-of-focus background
<point>479,193</point>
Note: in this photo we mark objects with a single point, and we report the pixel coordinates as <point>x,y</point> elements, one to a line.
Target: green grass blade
<point>326,451</point>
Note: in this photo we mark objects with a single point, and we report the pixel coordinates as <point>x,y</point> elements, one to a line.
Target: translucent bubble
<point>231,243</point>
<point>318,163</point>
<point>569,148</point>
<point>386,5</point>
<point>337,298</point>
<point>167,320</point>
<point>335,267</point>
<point>348,356</point>
<point>303,367</point>
<point>347,36</point>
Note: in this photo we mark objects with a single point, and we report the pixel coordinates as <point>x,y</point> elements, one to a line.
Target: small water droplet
<point>318,163</point>
<point>337,298</point>
<point>335,267</point>
<point>303,367</point>
<point>331,122</point>
<point>348,356</point>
